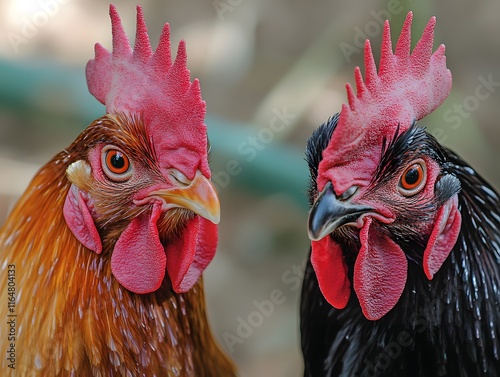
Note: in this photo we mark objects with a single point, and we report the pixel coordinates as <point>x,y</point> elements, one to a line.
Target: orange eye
<point>413,178</point>
<point>116,164</point>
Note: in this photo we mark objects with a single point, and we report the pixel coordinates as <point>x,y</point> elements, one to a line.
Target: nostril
<point>347,194</point>
<point>177,177</point>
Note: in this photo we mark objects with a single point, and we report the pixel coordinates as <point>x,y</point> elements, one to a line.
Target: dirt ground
<point>253,57</point>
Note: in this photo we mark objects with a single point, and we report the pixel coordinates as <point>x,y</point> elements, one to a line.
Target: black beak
<point>329,212</point>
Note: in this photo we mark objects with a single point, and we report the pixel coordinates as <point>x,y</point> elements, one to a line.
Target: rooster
<point>404,271</point>
<point>106,247</point>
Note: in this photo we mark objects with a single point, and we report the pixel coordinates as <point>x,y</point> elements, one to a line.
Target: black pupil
<point>117,161</point>
<point>411,176</point>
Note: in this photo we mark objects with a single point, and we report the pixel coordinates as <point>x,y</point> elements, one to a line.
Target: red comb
<point>140,81</point>
<point>406,88</point>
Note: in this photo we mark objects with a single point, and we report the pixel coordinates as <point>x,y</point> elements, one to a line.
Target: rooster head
<point>382,195</point>
<point>140,180</point>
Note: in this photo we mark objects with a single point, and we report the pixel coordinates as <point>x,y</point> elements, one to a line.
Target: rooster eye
<point>413,178</point>
<point>116,164</point>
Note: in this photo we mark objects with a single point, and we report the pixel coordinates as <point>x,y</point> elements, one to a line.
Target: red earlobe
<point>80,221</point>
<point>443,237</point>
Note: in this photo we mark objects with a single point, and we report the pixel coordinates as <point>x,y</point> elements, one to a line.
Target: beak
<point>199,196</point>
<point>328,213</point>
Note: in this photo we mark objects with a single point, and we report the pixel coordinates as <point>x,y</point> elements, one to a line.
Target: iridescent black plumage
<point>448,326</point>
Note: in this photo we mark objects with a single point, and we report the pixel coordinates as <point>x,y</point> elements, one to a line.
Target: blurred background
<point>271,72</point>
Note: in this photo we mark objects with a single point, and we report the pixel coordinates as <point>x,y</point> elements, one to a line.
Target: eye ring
<point>413,179</point>
<point>115,164</point>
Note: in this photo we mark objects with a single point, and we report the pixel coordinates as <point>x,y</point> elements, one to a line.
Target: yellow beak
<point>199,196</point>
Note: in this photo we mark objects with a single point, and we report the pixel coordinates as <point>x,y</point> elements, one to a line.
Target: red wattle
<point>380,272</point>
<point>138,260</point>
<point>190,253</point>
<point>328,263</point>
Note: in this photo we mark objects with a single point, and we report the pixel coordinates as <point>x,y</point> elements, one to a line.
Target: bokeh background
<point>255,60</point>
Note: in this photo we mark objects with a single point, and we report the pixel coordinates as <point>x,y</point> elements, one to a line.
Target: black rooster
<point>407,221</point>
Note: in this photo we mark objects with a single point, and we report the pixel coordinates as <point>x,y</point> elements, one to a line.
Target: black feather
<point>315,145</point>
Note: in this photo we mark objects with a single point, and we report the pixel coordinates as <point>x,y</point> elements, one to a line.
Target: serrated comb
<point>140,81</point>
<point>406,88</point>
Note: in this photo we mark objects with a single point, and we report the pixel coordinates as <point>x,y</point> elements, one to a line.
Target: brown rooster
<point>103,254</point>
